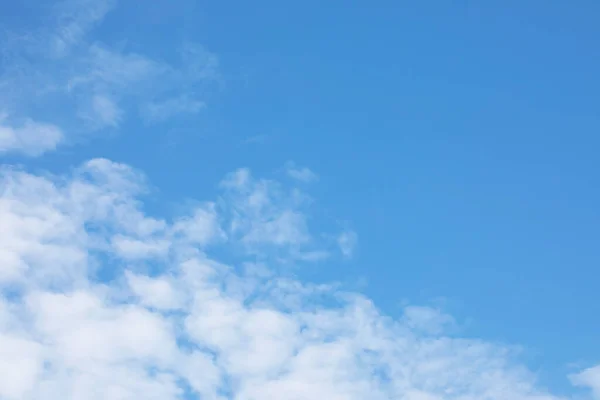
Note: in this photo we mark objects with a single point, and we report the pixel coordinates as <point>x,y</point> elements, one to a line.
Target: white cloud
<point>427,320</point>
<point>115,68</point>
<point>285,228</point>
<point>160,293</point>
<point>62,68</point>
<point>264,217</point>
<point>589,378</point>
<point>20,365</point>
<point>183,321</point>
<point>303,174</point>
<point>31,138</point>
<point>132,248</point>
<point>201,227</point>
<point>133,78</point>
<point>47,225</point>
<point>102,112</point>
<point>74,19</point>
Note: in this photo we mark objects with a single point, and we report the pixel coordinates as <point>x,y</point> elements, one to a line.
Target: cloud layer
<point>101,301</point>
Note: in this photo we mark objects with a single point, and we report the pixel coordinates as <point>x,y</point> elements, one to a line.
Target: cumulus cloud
<point>73,20</point>
<point>80,318</point>
<point>160,293</point>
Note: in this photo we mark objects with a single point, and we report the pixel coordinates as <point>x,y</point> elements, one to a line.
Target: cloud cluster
<point>101,301</point>
<point>60,75</point>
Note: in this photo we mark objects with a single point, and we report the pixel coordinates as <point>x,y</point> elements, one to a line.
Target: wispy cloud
<point>588,378</point>
<point>64,67</point>
<point>74,19</point>
<point>347,241</point>
<point>267,216</point>
<point>30,137</point>
<point>156,111</point>
<point>101,112</point>
<point>302,174</point>
<point>427,320</point>
<point>196,325</point>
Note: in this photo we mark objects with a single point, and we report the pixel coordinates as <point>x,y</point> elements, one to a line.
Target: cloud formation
<point>61,74</point>
<point>302,174</point>
<point>31,138</point>
<point>101,301</point>
<point>588,378</point>
<point>157,111</point>
<point>347,241</point>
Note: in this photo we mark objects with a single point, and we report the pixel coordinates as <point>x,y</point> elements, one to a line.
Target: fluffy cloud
<point>100,301</point>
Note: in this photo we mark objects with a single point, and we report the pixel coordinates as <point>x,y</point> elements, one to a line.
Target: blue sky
<point>440,159</point>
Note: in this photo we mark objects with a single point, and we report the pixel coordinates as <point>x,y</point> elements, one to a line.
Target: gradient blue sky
<point>459,140</point>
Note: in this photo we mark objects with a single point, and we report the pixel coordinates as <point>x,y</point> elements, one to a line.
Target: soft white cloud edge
<point>302,174</point>
<point>588,378</point>
<point>168,321</point>
<point>31,138</point>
